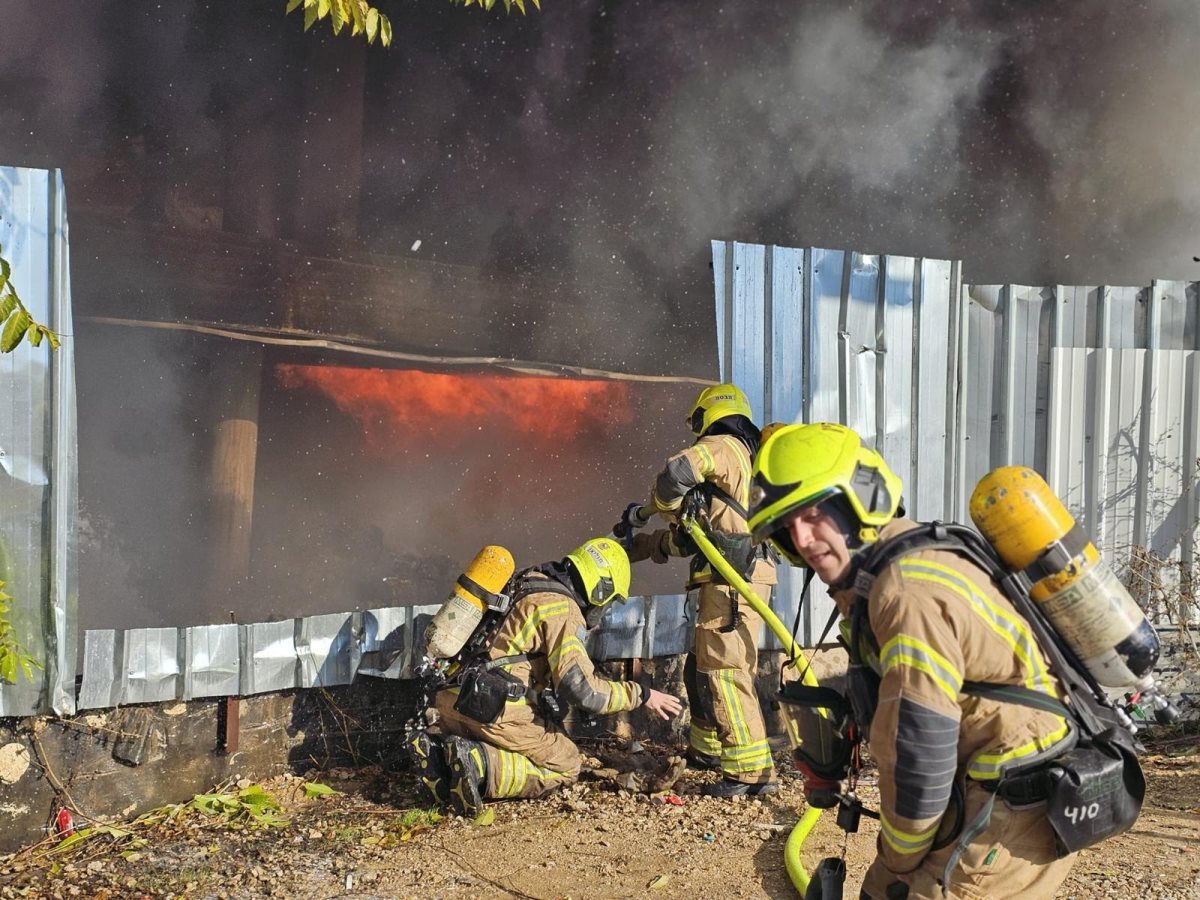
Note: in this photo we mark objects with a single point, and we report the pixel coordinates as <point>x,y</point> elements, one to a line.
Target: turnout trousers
<point>524,757</point>
<point>727,720</point>
<point>1013,857</point>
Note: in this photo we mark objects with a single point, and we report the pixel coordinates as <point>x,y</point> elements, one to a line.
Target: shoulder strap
<point>968,543</point>
<point>524,586</point>
<point>715,492</point>
<point>1017,694</point>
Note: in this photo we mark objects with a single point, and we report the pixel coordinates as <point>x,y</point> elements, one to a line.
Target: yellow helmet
<point>804,464</point>
<point>603,568</point>
<point>717,402</point>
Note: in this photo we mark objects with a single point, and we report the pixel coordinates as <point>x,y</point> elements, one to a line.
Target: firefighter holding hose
<point>498,716</point>
<point>924,633</point>
<point>727,729</point>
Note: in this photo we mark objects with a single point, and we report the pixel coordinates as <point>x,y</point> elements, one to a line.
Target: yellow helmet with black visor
<point>801,466</point>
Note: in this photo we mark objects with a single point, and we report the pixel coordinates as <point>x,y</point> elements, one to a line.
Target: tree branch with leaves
<point>18,324</point>
<point>362,18</point>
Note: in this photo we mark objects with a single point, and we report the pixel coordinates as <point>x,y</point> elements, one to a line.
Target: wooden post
<point>234,458</point>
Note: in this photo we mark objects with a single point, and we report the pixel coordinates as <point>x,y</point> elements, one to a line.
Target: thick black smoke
<point>603,144</point>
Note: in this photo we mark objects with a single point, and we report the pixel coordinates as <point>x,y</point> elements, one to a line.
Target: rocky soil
<point>596,840</point>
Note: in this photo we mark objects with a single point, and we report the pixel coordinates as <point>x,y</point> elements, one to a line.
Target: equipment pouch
<point>1095,791</point>
<point>738,549</point>
<point>484,691</point>
<point>823,726</point>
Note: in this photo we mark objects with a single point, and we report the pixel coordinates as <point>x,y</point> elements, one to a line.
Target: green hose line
<point>795,842</point>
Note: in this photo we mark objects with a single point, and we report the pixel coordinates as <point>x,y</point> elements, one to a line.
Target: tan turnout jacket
<point>551,627</point>
<point>723,460</point>
<point>937,621</point>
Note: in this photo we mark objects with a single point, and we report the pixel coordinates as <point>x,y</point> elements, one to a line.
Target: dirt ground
<point>594,841</point>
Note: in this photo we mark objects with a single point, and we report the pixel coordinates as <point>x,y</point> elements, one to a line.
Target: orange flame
<point>390,403</point>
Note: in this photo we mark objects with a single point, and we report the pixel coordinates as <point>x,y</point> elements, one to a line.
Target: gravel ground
<point>372,840</point>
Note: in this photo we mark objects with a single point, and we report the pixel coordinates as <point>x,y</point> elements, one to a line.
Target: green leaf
<point>34,334</point>
<point>27,668</point>
<point>340,15</point>
<point>372,25</point>
<point>485,818</point>
<point>7,305</point>
<point>322,8</point>
<point>385,30</point>
<point>293,5</point>
<point>8,667</point>
<point>310,16</point>
<point>314,789</point>
<point>72,840</point>
<point>5,271</point>
<point>14,329</point>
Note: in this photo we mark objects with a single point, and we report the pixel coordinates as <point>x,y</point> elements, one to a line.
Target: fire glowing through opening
<point>392,403</point>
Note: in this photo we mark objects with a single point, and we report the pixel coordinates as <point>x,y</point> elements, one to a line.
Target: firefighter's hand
<point>633,518</point>
<point>663,705</point>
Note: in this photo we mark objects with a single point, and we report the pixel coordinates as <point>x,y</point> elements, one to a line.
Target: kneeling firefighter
<point>500,711</point>
<point>996,761</point>
<point>727,731</point>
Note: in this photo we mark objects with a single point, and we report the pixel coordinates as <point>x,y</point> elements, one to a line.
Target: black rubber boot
<point>705,762</point>
<point>468,775</point>
<point>728,788</point>
<point>433,775</point>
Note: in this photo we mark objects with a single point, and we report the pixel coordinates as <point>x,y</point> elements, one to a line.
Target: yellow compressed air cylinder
<point>1032,532</point>
<point>455,622</point>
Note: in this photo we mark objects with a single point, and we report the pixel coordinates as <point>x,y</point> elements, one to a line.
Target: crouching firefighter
<point>727,730</point>
<point>499,714</point>
<point>997,758</point>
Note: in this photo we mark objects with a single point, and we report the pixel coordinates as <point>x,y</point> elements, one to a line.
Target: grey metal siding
<point>1094,386</point>
<point>38,447</point>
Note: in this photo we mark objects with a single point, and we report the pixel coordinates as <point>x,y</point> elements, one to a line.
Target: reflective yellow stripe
<point>902,841</point>
<point>905,650</point>
<point>704,740</point>
<point>988,766</point>
<point>568,644</point>
<point>1003,623</point>
<point>618,699</point>
<point>707,465</point>
<point>540,614</point>
<point>728,690</point>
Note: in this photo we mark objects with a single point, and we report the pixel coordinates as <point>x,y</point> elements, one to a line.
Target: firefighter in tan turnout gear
<point>537,652</point>
<point>928,628</point>
<point>727,730</point>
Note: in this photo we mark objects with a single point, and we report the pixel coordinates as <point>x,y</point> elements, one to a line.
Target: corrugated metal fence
<point>38,460</point>
<point>1095,387</point>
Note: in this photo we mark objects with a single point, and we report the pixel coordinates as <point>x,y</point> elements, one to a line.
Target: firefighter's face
<point>818,538</point>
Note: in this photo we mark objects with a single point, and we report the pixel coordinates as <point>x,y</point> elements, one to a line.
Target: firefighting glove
<point>631,520</point>
<point>819,791</point>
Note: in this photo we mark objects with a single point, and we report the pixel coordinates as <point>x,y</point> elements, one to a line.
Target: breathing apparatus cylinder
<point>463,610</point>
<point>1032,532</point>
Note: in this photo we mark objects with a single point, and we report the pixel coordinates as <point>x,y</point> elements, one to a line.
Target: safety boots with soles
<point>727,789</point>
<point>468,775</point>
<point>433,775</point>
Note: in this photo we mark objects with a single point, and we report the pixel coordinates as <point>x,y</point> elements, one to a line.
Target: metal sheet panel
<point>213,661</point>
<point>103,664</point>
<point>269,659</point>
<point>153,670</point>
<point>38,458</point>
